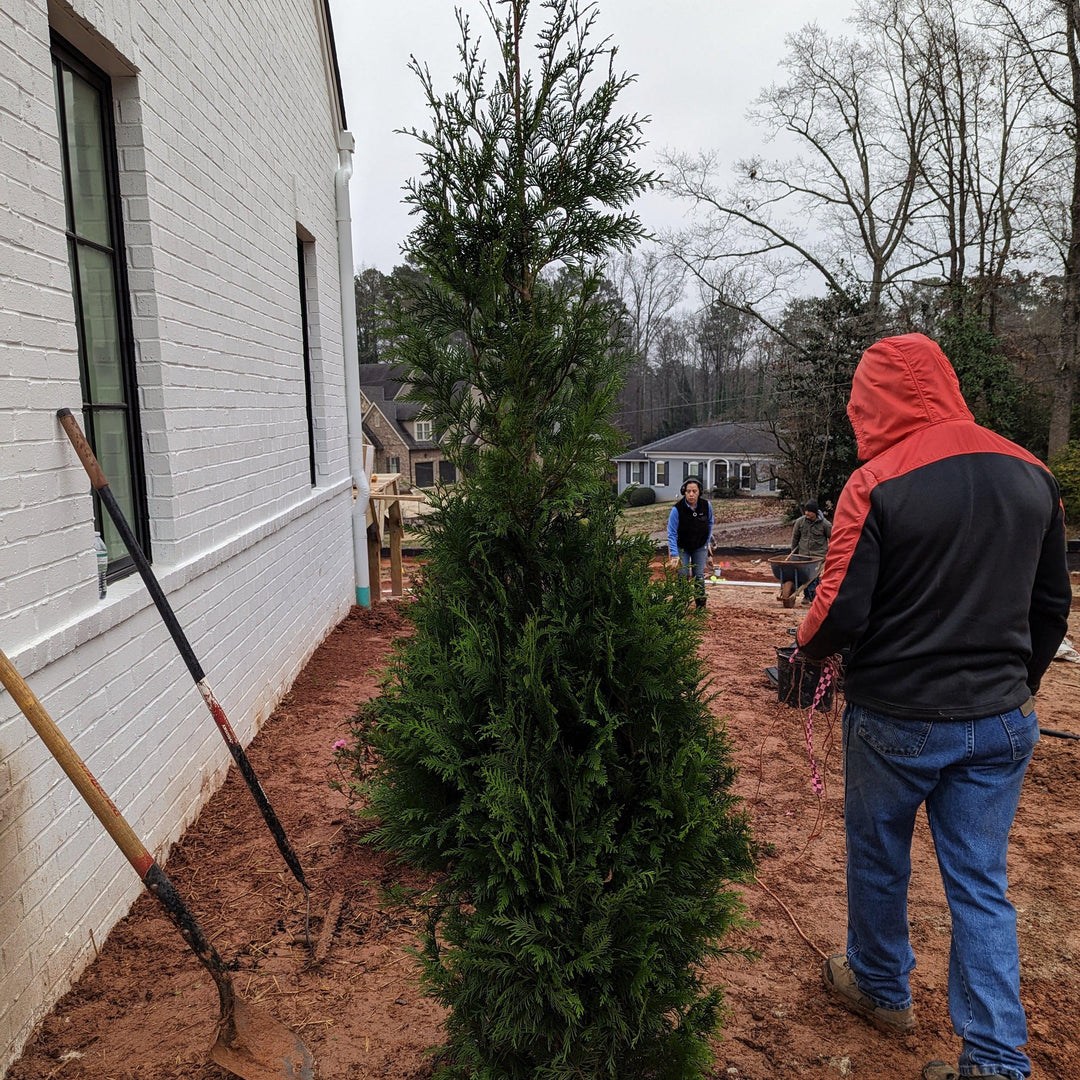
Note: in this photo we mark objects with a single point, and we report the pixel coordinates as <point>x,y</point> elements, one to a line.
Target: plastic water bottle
<point>102,563</point>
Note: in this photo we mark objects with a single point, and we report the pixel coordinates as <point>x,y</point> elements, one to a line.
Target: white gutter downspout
<point>353,415</point>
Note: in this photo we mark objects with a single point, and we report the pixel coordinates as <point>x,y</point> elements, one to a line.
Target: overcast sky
<point>699,64</point>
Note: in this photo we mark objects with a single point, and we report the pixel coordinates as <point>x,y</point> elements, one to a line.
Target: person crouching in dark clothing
<point>690,526</point>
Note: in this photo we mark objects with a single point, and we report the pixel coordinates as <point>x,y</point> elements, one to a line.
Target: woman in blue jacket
<point>689,529</point>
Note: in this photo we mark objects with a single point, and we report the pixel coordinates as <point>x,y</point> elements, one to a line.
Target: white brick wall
<point>226,140</point>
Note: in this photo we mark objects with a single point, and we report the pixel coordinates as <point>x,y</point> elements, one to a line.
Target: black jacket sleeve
<point>1051,599</point>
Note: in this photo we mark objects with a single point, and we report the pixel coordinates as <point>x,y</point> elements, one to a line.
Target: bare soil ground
<point>146,1010</point>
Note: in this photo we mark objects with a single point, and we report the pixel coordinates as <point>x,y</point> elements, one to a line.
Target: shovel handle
<point>153,877</point>
<point>75,767</point>
<point>83,449</point>
<point>187,653</point>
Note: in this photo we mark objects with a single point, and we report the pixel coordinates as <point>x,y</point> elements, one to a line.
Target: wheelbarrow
<point>793,572</point>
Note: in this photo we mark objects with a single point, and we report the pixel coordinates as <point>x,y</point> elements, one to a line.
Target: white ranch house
<point>742,455</point>
<point>176,269</point>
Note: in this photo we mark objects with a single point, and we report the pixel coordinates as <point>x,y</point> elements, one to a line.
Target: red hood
<point>902,384</point>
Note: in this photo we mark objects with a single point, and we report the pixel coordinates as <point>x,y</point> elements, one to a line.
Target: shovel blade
<point>262,1048</point>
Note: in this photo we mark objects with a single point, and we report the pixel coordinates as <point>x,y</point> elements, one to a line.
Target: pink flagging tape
<point>828,676</point>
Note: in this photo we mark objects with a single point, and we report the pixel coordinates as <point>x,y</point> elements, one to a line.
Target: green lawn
<point>649,519</point>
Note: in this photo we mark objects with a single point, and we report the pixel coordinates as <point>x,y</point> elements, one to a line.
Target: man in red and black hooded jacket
<point>946,575</point>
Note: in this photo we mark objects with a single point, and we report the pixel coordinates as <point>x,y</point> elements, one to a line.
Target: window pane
<point>101,331</point>
<point>86,154</point>
<point>95,253</point>
<point>111,447</point>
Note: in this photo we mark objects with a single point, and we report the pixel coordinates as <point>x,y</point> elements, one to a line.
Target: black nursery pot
<point>797,680</point>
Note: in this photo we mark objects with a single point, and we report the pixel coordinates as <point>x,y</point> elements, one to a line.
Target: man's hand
<point>674,561</point>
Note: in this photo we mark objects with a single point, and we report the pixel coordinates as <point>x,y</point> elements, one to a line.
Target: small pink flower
<point>340,744</point>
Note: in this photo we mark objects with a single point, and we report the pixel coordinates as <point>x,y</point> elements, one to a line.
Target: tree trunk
<point>1064,386</point>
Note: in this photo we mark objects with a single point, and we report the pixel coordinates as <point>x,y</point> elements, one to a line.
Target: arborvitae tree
<point>547,748</point>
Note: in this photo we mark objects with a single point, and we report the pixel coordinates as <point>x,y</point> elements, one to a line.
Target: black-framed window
<point>425,474</point>
<point>99,287</point>
<point>305,330</point>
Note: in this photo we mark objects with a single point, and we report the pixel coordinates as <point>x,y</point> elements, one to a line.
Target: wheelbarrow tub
<point>798,569</point>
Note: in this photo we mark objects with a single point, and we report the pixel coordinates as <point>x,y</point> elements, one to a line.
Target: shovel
<point>108,500</point>
<point>250,1043</point>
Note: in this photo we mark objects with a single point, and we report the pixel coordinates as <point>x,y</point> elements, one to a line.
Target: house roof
<point>748,439</point>
<point>371,437</point>
<point>383,385</point>
<point>389,378</point>
<point>335,66</point>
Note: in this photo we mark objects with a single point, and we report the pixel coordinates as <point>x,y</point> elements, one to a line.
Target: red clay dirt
<point>146,1010</point>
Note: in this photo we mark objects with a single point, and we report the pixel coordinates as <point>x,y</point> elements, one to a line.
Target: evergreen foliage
<point>830,334</point>
<point>1066,469</point>
<point>643,495</point>
<point>987,379</point>
<point>547,748</point>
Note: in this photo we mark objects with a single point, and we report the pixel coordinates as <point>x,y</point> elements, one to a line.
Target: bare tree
<point>984,153</point>
<point>846,207</point>
<point>1049,33</point>
<point>650,284</point>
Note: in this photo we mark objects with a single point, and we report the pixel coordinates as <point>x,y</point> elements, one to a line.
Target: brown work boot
<point>840,982</point>
<point>940,1070</point>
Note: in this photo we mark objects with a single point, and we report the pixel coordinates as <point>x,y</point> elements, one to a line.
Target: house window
<point>661,473</point>
<point>99,288</point>
<point>302,259</point>
<point>423,430</point>
<point>772,483</point>
<point>446,472</point>
<point>637,472</point>
<point>425,474</point>
<point>393,465</point>
<point>746,476</point>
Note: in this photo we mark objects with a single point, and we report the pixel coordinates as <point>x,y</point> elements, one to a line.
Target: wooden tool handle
<point>82,448</point>
<point>75,767</point>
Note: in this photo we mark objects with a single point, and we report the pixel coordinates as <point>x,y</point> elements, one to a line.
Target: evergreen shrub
<point>547,750</point>
<point>1065,466</point>
<point>640,496</point>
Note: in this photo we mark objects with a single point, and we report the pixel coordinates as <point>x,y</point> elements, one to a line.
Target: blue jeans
<point>693,563</point>
<point>969,774</point>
